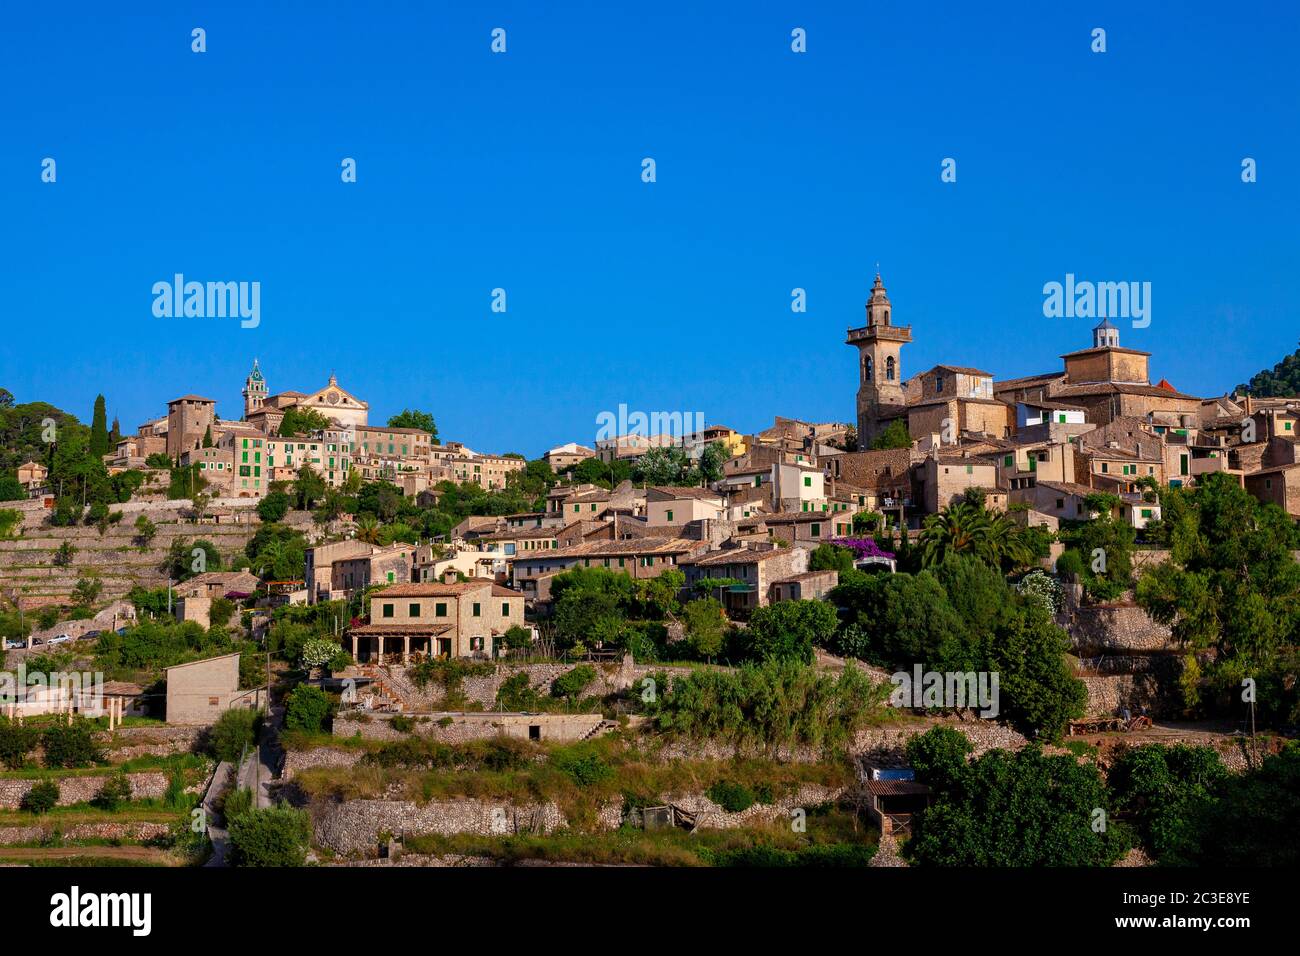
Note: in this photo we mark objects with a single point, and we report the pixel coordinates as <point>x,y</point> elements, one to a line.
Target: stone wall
<point>355,826</point>
<point>461,727</point>
<point>1118,629</point>
<point>82,789</point>
<point>134,831</point>
<point>127,743</point>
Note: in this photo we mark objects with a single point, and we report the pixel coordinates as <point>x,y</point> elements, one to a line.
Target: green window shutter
<point>477,609</point>
<point>388,610</point>
<point>413,610</point>
<point>1006,462</point>
<point>505,608</point>
<point>816,530</point>
<point>807,481</point>
<point>440,610</point>
<point>670,516</point>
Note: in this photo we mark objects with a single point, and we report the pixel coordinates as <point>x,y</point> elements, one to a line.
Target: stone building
<point>189,418</point>
<point>880,368</point>
<point>462,619</point>
<point>201,691</point>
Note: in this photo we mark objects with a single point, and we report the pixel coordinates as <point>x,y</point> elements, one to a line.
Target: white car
<point>61,639</point>
<point>14,645</point>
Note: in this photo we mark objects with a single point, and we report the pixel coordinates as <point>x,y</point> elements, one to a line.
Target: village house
<point>433,619</point>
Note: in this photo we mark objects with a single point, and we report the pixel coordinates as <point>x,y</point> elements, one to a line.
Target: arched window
<point>866,369</point>
<point>886,316</point>
<point>889,368</point>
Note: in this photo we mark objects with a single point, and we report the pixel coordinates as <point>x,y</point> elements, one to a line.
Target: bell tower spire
<point>254,391</point>
<point>880,367</point>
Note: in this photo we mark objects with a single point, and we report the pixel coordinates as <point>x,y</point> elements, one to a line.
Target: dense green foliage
<point>306,708</point>
<point>961,616</point>
<point>1011,809</point>
<point>41,798</point>
<point>70,745</point>
<point>275,836</point>
<point>770,706</point>
<point>234,730</point>
<point>1231,593</point>
<point>1281,381</point>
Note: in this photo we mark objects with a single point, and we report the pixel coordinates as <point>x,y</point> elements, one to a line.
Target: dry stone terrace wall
<point>1118,629</point>
<point>355,826</point>
<point>82,789</point>
<point>137,832</point>
<point>27,563</point>
<point>458,728</point>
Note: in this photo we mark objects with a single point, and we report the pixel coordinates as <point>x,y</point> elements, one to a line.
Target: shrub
<point>516,693</point>
<point>306,708</point>
<point>238,801</point>
<point>220,613</point>
<point>402,724</point>
<point>70,745</point>
<point>115,792</point>
<point>572,683</point>
<point>586,769</point>
<point>16,742</point>
<point>318,652</point>
<point>732,797</point>
<point>276,836</point>
<point>41,798</point>
<point>233,731</point>
<point>175,795</point>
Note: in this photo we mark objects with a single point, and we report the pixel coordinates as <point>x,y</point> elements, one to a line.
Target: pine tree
<point>99,429</point>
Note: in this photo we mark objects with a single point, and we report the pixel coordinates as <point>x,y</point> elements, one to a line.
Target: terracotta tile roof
<point>414,627</point>
<point>634,547</point>
<point>737,556</point>
<point>436,589</point>
<point>1121,388</point>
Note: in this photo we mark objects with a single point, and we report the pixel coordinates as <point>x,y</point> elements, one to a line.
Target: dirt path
<point>138,853</point>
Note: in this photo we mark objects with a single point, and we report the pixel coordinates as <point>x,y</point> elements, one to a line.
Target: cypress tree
<point>207,437</point>
<point>99,429</point>
<point>115,434</point>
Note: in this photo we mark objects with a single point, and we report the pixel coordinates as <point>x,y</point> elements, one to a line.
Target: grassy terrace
<point>831,838</point>
<point>191,766</point>
<point>579,778</point>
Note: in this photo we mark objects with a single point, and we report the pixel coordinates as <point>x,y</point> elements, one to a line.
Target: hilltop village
<point>399,602</point>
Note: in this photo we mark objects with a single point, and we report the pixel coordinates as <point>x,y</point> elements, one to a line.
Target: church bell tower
<point>880,369</point>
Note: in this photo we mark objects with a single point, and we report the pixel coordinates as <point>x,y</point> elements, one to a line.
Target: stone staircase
<point>604,727</point>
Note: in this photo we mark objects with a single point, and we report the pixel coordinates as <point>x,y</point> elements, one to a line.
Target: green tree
<point>145,530</point>
<point>1282,381</point>
<point>306,708</point>
<point>302,421</point>
<point>831,557</point>
<point>99,429</point>
<point>276,836</point>
<point>309,487</point>
<point>1015,809</point>
<point>706,626</point>
<point>788,631</point>
<point>895,435</point>
<point>413,418</point>
<point>273,507</point>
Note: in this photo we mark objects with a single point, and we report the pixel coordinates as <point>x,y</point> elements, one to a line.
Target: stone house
<point>758,566</point>
<point>460,619</point>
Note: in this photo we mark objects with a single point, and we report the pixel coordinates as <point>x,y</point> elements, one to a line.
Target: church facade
<point>266,411</point>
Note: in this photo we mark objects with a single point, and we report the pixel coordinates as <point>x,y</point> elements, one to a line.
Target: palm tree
<point>368,529</point>
<point>960,528</point>
<point>966,527</point>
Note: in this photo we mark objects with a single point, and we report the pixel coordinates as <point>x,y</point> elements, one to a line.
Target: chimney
<point>449,576</point>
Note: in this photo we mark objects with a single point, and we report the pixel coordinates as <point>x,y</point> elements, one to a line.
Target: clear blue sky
<point>522,171</point>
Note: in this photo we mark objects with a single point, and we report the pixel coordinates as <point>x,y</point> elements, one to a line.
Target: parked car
<point>14,645</point>
<point>61,639</point>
